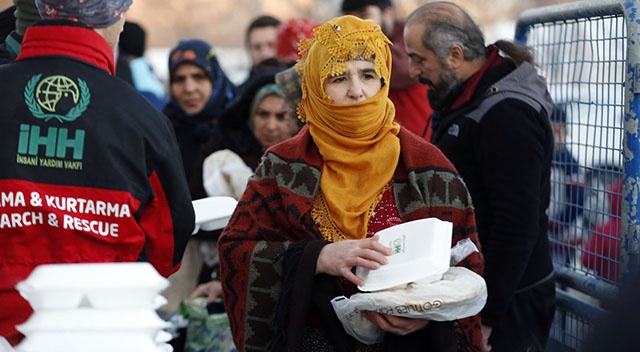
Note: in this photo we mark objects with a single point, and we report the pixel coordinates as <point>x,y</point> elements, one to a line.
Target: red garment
<point>82,43</point>
<point>602,252</point>
<point>470,87</point>
<point>289,33</point>
<point>385,215</point>
<point>408,96</point>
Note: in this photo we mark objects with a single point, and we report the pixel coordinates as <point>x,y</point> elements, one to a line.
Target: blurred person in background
<point>408,96</point>
<point>199,95</point>
<point>260,41</point>
<point>92,169</point>
<point>133,67</point>
<point>26,13</point>
<point>269,120</point>
<point>601,250</point>
<point>492,122</point>
<point>7,22</point>
<point>289,34</point>
<point>567,189</point>
<point>257,119</point>
<point>237,123</point>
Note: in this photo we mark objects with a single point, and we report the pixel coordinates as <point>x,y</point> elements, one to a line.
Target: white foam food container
<point>100,285</point>
<point>5,346</point>
<point>90,341</point>
<point>88,320</point>
<point>213,213</point>
<point>421,251</point>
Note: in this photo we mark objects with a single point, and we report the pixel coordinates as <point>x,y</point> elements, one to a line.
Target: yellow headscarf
<point>358,142</point>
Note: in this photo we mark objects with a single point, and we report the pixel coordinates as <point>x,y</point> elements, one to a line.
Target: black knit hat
<point>355,5</point>
<point>132,39</point>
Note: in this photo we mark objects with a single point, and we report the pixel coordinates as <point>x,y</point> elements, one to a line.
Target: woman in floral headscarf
<point>311,210</point>
<point>200,92</point>
<point>199,95</point>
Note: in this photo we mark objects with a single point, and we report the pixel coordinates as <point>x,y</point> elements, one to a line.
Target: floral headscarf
<point>358,142</point>
<point>200,53</point>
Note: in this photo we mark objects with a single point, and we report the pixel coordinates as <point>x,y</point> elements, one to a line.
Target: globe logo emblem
<point>52,89</point>
<point>56,97</point>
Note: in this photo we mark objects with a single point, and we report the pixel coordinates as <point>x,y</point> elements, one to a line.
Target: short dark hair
<point>355,5</point>
<point>261,22</point>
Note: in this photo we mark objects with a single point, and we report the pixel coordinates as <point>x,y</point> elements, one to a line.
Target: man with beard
<point>408,96</point>
<point>491,120</point>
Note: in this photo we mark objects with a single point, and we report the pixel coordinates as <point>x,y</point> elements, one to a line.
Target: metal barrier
<point>589,52</point>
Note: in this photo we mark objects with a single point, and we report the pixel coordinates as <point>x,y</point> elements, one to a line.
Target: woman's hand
<point>486,333</point>
<point>394,324</point>
<point>211,290</point>
<point>339,258</point>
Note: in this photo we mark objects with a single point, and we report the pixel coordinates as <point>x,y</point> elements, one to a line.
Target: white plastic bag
<point>224,173</point>
<point>461,293</point>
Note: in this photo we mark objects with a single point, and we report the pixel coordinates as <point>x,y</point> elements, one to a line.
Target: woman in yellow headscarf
<point>312,208</point>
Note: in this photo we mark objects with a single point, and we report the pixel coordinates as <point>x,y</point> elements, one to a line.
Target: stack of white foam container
<point>94,307</point>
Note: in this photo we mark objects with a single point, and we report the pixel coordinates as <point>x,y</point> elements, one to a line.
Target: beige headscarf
<point>358,142</point>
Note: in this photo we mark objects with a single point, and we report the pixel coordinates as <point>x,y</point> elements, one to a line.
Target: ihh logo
<point>56,141</point>
<point>54,98</point>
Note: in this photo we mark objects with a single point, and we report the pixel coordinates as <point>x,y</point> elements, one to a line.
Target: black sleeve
<point>511,149</point>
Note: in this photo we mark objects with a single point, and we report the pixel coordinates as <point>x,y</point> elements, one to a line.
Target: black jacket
<point>90,170</point>
<point>67,123</point>
<point>501,143</point>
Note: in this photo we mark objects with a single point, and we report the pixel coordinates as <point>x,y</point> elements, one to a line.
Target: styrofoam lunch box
<point>90,341</point>
<point>99,285</point>
<point>140,321</point>
<point>422,251</point>
<point>213,213</point>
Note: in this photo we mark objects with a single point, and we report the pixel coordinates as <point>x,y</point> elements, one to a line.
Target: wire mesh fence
<point>582,50</point>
